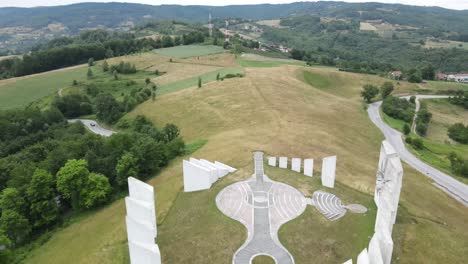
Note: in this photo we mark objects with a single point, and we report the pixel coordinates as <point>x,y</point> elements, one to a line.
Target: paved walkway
<point>262,205</point>
<point>451,186</point>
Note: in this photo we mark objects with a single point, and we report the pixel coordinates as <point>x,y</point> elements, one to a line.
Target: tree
<point>217,76</point>
<point>170,132</point>
<point>147,81</point>
<point>105,66</point>
<point>150,154</point>
<point>386,89</point>
<point>41,195</point>
<point>96,190</point>
<point>89,74</point>
<point>116,76</point>
<point>126,166</point>
<point>70,180</point>
<point>5,254</point>
<point>406,129</point>
<point>199,82</point>
<point>428,72</point>
<point>15,225</point>
<point>91,62</point>
<point>11,199</point>
<point>369,92</point>
<point>458,132</point>
<point>107,108</point>
<point>414,76</point>
<point>412,99</point>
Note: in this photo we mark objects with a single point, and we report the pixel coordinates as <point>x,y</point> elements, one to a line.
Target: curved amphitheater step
<point>329,205</point>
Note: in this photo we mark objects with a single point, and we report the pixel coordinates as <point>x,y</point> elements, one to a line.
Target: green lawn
<point>25,91</point>
<point>189,51</point>
<point>316,80</point>
<point>192,82</point>
<point>393,122</point>
<point>265,63</point>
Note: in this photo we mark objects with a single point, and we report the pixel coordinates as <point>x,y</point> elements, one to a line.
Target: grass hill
<point>281,109</point>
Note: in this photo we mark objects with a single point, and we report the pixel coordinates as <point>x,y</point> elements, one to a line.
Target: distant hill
<point>115,15</point>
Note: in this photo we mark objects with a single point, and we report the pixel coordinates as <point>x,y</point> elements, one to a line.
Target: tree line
<point>49,167</point>
<point>97,44</point>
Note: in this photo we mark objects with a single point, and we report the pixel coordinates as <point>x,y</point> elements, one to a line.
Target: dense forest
<point>49,167</point>
<point>341,43</point>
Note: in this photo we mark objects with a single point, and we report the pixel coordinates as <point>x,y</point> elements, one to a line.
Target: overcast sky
<point>452,4</point>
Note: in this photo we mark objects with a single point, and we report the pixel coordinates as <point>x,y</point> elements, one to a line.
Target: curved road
<point>451,186</point>
<point>96,128</point>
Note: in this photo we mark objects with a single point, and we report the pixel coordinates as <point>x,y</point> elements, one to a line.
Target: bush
<point>422,120</point>
<point>406,129</point>
<point>398,108</point>
<point>123,68</point>
<point>417,143</point>
<point>458,164</point>
<point>459,133</point>
<point>409,140</point>
<point>412,99</point>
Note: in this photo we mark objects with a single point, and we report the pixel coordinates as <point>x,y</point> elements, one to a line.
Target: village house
<point>461,77</point>
<point>396,75</point>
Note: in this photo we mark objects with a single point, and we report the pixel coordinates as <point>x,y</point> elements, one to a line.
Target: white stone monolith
<point>229,168</point>
<point>272,161</point>
<point>296,164</point>
<point>196,177</point>
<point>139,231</point>
<point>308,167</point>
<point>375,256</point>
<point>283,162</point>
<point>363,258</point>
<point>349,261</point>
<point>386,245</point>
<point>141,211</point>
<point>328,171</point>
<point>213,171</point>
<point>142,253</point>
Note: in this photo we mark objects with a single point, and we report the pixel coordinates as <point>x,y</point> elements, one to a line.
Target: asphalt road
<point>96,129</point>
<point>451,186</point>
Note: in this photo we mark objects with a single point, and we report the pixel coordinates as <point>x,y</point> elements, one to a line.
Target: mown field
<point>193,50</point>
<point>19,92</point>
<point>279,111</point>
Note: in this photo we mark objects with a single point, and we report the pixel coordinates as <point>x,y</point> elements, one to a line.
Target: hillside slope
<point>273,110</point>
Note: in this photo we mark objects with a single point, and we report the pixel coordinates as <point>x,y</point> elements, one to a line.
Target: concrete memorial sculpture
<point>229,168</point>
<point>349,261</point>
<point>308,167</point>
<point>375,256</point>
<point>196,177</point>
<point>363,258</point>
<point>143,253</point>
<point>141,223</point>
<point>283,162</point>
<point>272,161</point>
<point>296,164</point>
<point>201,174</point>
<point>328,171</point>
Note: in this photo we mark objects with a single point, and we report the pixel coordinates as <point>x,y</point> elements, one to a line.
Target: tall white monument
<point>308,167</point>
<point>328,171</point>
<point>283,162</point>
<point>201,174</point>
<point>141,223</point>
<point>296,164</point>
<point>272,161</point>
